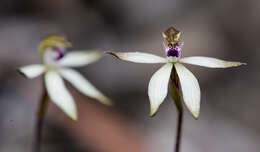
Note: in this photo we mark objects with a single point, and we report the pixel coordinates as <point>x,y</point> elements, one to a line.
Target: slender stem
<point>179,131</point>
<point>39,122</point>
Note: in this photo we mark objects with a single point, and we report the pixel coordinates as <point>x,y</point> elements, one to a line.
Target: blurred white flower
<point>158,85</point>
<point>55,66</point>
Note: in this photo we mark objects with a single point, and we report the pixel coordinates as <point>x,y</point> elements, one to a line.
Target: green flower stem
<point>39,122</point>
<point>175,94</point>
<point>179,131</point>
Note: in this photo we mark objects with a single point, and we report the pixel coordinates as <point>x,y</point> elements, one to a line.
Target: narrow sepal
<point>158,87</point>
<point>83,85</point>
<point>32,71</point>
<point>59,94</point>
<point>80,58</point>
<point>190,89</point>
<point>138,57</point>
<point>209,62</point>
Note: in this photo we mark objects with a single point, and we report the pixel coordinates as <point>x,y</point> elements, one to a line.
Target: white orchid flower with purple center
<point>56,63</point>
<point>175,71</point>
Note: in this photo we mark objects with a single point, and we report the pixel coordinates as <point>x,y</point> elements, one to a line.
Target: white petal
<point>209,62</point>
<point>32,71</point>
<point>190,89</point>
<point>83,85</point>
<point>138,57</point>
<point>80,58</point>
<point>59,94</point>
<point>158,87</point>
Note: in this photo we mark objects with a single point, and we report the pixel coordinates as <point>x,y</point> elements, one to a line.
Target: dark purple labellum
<point>173,52</point>
<point>59,51</point>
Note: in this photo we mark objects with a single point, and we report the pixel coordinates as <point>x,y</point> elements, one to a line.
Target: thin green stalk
<point>179,131</point>
<point>39,122</point>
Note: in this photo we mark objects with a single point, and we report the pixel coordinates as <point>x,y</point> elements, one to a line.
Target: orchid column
<point>56,63</point>
<point>173,70</point>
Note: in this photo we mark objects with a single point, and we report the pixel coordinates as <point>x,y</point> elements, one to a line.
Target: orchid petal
<point>59,94</point>
<point>158,87</point>
<point>32,71</point>
<point>79,58</point>
<point>190,89</point>
<point>138,57</point>
<point>209,62</point>
<point>83,85</point>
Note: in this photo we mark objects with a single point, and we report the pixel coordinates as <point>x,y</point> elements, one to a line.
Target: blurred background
<point>230,97</point>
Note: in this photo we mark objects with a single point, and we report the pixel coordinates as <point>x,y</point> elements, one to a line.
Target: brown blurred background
<point>230,97</point>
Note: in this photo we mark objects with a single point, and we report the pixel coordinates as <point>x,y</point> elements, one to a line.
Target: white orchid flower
<point>158,85</point>
<point>55,66</point>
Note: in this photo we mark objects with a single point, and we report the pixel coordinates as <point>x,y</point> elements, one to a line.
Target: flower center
<point>173,51</point>
<point>60,52</point>
<point>53,54</point>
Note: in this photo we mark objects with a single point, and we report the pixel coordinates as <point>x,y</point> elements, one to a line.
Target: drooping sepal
<point>83,85</point>
<point>158,87</point>
<point>190,89</point>
<point>59,94</point>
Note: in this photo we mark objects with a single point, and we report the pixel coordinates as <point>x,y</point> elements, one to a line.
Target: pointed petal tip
<point>195,115</point>
<point>112,53</point>
<point>235,64</point>
<point>21,72</point>
<point>153,112</point>
<point>116,55</point>
<point>31,71</point>
<point>74,116</point>
<point>106,101</point>
<point>108,52</point>
<point>242,64</point>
